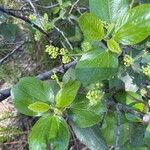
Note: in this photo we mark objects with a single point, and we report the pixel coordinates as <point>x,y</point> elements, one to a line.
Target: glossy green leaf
<point>147,135</point>
<point>28,91</point>
<point>95,66</point>
<point>67,94</point>
<point>85,115</point>
<point>44,130</point>
<point>91,27</point>
<point>134,27</point>
<point>109,10</point>
<point>138,106</point>
<point>49,131</point>
<point>132,117</point>
<point>61,141</point>
<point>91,137</point>
<point>39,107</point>
<point>128,97</point>
<point>113,46</point>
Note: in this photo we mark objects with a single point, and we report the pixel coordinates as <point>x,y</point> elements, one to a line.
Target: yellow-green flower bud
<point>146,70</point>
<point>86,46</point>
<point>128,60</point>
<point>94,96</point>
<point>37,36</point>
<point>52,51</point>
<point>63,51</point>
<point>66,59</point>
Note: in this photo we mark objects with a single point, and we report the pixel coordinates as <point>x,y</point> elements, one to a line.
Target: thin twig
<point>76,2</point>
<point>118,127</point>
<point>62,33</point>
<point>43,76</point>
<point>11,53</point>
<point>47,7</point>
<point>33,7</point>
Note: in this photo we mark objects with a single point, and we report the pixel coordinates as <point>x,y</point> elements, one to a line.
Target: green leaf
<point>91,27</point>
<point>44,130</point>
<point>138,106</point>
<point>134,27</point>
<point>132,117</point>
<point>109,10</point>
<point>49,131</point>
<point>91,137</point>
<point>62,139</point>
<point>128,97</point>
<point>39,107</point>
<point>28,91</point>
<point>147,135</point>
<point>85,115</point>
<point>95,66</point>
<point>67,94</point>
<point>69,75</point>
<point>113,46</point>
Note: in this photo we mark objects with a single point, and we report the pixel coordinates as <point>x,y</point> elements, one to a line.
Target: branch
<point>11,53</point>
<point>43,76</point>
<point>6,11</point>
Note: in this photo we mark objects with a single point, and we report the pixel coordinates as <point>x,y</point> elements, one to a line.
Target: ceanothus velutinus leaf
<point>96,65</point>
<point>134,26</point>
<point>91,27</point>
<point>28,91</point>
<point>109,10</point>
<point>49,131</point>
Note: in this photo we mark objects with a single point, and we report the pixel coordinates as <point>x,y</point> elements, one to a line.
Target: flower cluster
<point>146,70</point>
<point>52,51</point>
<point>37,36</point>
<point>55,51</point>
<point>128,60</point>
<point>95,94</point>
<point>65,56</point>
<point>86,46</point>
